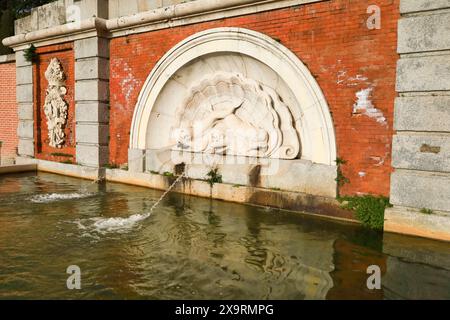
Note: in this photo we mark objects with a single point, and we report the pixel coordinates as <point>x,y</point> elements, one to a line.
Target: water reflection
<point>193,248</point>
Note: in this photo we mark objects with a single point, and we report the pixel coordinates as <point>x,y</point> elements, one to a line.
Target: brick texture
<point>332,39</point>
<point>8,113</point>
<point>65,54</point>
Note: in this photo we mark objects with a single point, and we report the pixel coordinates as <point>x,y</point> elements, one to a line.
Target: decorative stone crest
<point>55,108</point>
<point>227,113</point>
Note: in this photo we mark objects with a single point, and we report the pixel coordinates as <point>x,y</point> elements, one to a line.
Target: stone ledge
<point>18,168</point>
<point>412,222</point>
<point>276,174</point>
<point>7,58</point>
<point>71,170</point>
<point>285,200</point>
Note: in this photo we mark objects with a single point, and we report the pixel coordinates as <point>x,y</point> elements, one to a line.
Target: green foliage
<point>30,53</point>
<point>368,209</point>
<point>340,161</point>
<point>21,8</point>
<point>111,166</point>
<point>59,154</point>
<point>426,211</point>
<point>168,174</point>
<point>340,178</point>
<point>214,177</point>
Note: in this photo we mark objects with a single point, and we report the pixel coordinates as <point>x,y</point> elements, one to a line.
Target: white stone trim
<point>316,120</point>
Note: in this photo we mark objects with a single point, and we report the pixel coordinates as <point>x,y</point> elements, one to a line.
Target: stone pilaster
<point>421,145</point>
<point>92,101</point>
<point>24,89</point>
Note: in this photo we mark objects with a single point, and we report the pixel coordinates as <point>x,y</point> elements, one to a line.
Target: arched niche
<point>226,53</point>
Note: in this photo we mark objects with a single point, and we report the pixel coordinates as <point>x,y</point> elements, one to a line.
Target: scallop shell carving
<point>229,114</point>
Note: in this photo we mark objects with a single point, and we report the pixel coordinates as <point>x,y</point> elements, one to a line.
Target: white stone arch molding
<point>316,132</point>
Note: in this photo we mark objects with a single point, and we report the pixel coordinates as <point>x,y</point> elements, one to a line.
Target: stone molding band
<point>161,18</point>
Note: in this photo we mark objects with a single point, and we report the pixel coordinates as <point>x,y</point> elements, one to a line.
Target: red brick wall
<point>65,54</point>
<point>331,38</point>
<point>8,112</point>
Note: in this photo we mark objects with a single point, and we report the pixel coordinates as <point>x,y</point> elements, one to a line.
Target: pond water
<point>194,248</point>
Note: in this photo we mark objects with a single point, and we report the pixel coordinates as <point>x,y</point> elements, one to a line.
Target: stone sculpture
<point>55,108</point>
<point>229,114</point>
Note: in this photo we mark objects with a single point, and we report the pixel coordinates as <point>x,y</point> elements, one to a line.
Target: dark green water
<point>192,248</point>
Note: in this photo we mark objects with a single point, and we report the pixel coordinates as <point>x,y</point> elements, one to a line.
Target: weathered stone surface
<point>413,222</point>
<point>423,74</point>
<point>24,93</point>
<point>136,160</point>
<point>92,133</point>
<point>92,155</point>
<point>420,190</point>
<point>20,60</point>
<point>92,112</point>
<point>408,6</point>
<point>24,75</point>
<point>51,14</point>
<point>424,33</point>
<point>25,129</point>
<point>26,147</point>
<point>92,68</point>
<point>293,175</point>
<point>422,152</point>
<point>91,90</point>
<point>94,8</point>
<point>26,24</point>
<point>91,47</point>
<point>422,113</point>
<point>25,111</point>
<point>302,176</point>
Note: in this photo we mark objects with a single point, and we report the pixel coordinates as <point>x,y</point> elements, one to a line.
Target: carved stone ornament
<point>227,113</point>
<point>55,108</point>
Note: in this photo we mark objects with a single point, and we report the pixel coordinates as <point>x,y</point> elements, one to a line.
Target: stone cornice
<point>161,18</point>
<point>63,33</point>
<point>7,58</point>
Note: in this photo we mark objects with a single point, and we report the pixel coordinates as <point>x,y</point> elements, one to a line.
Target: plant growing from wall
<point>30,54</point>
<point>340,178</point>
<point>368,209</point>
<point>214,177</point>
<point>426,211</point>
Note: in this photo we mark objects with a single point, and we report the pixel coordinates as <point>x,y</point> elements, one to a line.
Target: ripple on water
<point>52,197</point>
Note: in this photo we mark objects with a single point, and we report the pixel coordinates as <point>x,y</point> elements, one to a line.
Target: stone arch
<point>309,108</point>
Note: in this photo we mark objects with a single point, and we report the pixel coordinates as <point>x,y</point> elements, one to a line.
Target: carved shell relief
<point>55,108</point>
<point>227,113</point>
